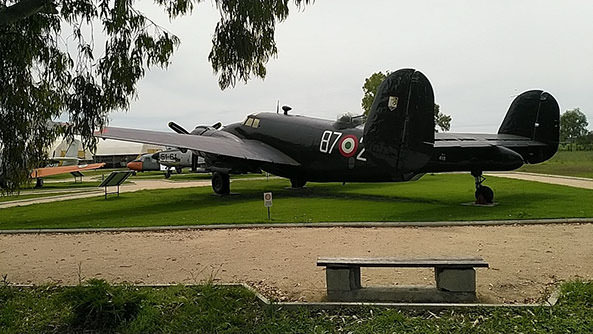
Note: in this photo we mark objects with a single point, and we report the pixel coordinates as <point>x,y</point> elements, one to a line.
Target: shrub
<point>98,305</point>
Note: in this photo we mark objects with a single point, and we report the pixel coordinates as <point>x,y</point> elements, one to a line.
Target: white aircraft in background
<point>170,158</point>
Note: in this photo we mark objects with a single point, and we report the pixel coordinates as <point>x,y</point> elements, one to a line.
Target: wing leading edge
<point>241,148</point>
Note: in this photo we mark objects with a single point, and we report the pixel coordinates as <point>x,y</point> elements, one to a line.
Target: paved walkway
<point>128,187</point>
<point>577,182</point>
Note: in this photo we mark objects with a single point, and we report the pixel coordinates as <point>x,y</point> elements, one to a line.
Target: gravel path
<point>526,261</point>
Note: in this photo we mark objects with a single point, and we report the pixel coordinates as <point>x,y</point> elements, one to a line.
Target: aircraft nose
<point>135,165</point>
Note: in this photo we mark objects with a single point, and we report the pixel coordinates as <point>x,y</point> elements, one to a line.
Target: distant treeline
<point>574,135</point>
<point>575,146</point>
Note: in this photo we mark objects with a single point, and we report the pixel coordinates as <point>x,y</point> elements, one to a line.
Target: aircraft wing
<point>47,171</point>
<point>232,147</point>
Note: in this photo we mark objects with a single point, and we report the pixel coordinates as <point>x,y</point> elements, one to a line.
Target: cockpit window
<point>252,122</point>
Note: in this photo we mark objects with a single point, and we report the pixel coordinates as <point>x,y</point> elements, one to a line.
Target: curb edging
<point>304,225</point>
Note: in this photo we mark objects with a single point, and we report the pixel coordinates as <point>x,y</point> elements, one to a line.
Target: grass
<point>59,183</point>
<point>63,185</point>
<point>49,189</point>
<point>569,163</point>
<point>432,198</point>
<point>8,198</point>
<point>97,307</point>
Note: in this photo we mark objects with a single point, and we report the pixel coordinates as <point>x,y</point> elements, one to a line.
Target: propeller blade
<point>178,128</point>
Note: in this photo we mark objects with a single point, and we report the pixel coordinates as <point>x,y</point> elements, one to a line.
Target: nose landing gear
<point>484,194</point>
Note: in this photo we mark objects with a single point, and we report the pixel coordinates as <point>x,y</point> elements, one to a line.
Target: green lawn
<point>23,196</point>
<point>49,189</point>
<point>432,198</point>
<point>569,163</point>
<point>63,185</point>
<point>98,307</point>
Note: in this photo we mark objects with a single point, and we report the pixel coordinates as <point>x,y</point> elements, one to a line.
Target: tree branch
<point>22,10</point>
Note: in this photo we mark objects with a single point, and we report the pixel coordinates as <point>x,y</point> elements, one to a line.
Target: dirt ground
<point>526,262</point>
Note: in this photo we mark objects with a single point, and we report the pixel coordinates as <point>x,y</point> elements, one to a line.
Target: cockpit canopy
<point>348,121</point>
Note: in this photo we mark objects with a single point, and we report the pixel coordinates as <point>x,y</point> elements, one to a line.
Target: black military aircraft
<point>396,143</point>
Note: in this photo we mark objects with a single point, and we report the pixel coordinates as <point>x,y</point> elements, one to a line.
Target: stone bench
<point>455,279</point>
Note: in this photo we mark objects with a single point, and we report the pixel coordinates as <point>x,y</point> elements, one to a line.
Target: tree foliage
<point>371,84</point>
<point>443,121</point>
<point>43,77</point>
<point>573,125</point>
<point>370,89</point>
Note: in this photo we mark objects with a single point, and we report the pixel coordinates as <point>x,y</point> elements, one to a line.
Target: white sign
<point>267,200</point>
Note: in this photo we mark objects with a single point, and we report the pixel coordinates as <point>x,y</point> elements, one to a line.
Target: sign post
<point>268,203</point>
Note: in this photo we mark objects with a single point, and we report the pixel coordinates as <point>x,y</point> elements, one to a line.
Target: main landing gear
<point>484,195</point>
<point>297,182</point>
<point>221,183</point>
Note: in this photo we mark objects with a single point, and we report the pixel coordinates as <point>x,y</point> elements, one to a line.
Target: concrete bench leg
<point>456,280</point>
<point>342,279</point>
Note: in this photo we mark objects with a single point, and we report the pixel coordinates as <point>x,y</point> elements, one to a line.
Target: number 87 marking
<point>324,146</point>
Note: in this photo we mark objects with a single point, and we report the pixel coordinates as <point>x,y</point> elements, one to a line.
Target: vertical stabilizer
<point>534,114</point>
<point>400,127</point>
<point>70,158</point>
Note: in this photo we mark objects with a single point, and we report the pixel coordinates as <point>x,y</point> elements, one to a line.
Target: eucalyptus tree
<point>43,77</point>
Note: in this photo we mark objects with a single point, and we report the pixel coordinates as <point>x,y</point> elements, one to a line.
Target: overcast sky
<point>478,55</point>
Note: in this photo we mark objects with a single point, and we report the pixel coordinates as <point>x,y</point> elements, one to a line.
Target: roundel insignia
<point>348,146</point>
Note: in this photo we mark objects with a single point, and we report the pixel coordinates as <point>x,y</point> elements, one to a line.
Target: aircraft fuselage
<point>328,153</point>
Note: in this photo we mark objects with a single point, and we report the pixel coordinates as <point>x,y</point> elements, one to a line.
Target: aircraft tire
<point>297,182</point>
<point>221,183</point>
<point>167,174</point>
<point>484,195</point>
<point>179,170</point>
